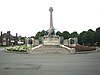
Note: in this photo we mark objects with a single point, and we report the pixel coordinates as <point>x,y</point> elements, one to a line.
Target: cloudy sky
<point>27,17</point>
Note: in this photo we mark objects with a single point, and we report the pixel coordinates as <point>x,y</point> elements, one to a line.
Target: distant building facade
<point>6,39</point>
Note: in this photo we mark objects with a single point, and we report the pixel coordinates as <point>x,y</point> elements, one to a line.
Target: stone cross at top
<point>51,29</point>
<point>51,9</point>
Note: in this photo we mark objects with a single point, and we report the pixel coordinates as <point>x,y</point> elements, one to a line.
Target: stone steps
<point>50,50</point>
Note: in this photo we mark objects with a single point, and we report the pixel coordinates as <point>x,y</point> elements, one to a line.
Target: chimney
<point>8,32</point>
<point>9,42</point>
<point>16,34</point>
<point>1,33</point>
<point>1,38</point>
<point>16,39</point>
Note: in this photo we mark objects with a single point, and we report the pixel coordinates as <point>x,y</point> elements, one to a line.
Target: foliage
<point>97,36</point>
<point>22,39</point>
<point>89,37</point>
<point>74,34</point>
<point>65,34</point>
<point>41,34</point>
<point>22,48</point>
<point>58,33</point>
<point>81,37</point>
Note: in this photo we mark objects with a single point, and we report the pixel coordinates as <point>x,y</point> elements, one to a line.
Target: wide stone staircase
<point>50,50</point>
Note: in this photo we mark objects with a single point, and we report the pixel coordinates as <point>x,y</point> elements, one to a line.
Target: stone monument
<point>51,42</point>
<point>51,38</point>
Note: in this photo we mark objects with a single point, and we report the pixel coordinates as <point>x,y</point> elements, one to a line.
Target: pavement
<point>49,64</point>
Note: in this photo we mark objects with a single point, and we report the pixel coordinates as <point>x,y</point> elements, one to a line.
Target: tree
<point>58,33</point>
<point>97,36</point>
<point>43,32</point>
<point>40,34</point>
<point>81,38</point>
<point>91,30</point>
<point>74,34</point>
<point>22,39</point>
<point>89,37</point>
<point>32,37</point>
<point>65,34</point>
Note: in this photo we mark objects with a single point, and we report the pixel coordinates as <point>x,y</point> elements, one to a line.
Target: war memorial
<point>51,42</point>
<point>49,58</point>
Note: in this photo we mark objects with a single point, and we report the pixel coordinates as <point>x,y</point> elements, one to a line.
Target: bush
<point>83,48</point>
<point>22,48</point>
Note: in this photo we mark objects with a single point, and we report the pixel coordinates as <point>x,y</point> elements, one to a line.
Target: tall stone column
<point>51,21</point>
<point>51,28</point>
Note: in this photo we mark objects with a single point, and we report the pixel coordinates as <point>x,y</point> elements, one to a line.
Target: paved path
<point>28,64</point>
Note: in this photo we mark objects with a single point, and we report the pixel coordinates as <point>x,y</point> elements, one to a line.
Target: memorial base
<point>51,40</point>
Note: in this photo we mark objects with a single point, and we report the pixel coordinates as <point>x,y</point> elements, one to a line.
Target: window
<point>4,38</point>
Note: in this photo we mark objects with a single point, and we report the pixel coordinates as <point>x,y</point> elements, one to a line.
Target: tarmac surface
<point>49,64</point>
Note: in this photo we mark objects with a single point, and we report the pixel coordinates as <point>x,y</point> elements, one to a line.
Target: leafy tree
<point>40,34</point>
<point>65,34</point>
<point>74,34</point>
<point>91,30</point>
<point>89,37</point>
<point>81,38</point>
<point>22,39</point>
<point>32,37</point>
<point>43,32</point>
<point>97,36</point>
<point>58,33</point>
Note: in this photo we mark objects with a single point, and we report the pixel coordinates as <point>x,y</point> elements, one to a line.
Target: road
<point>49,64</point>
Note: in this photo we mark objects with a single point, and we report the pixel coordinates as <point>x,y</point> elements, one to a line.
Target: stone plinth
<point>51,40</point>
<point>66,42</point>
<point>35,42</point>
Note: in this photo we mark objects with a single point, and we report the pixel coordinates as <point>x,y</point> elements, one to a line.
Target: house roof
<point>6,36</point>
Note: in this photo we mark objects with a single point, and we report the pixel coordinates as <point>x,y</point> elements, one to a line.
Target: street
<point>49,64</point>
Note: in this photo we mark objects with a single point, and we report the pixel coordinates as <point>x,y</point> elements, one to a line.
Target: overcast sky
<point>27,17</point>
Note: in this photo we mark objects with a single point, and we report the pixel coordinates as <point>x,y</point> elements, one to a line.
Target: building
<point>6,39</point>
